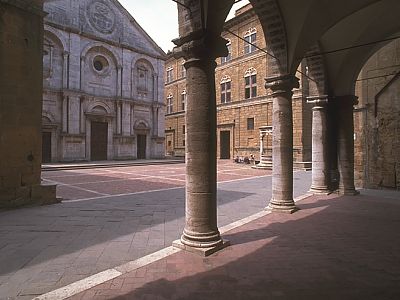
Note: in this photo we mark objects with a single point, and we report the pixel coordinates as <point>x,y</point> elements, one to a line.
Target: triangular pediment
<point>104,19</point>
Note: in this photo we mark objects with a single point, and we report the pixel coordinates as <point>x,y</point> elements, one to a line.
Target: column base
<point>287,207</point>
<point>320,190</point>
<point>201,251</point>
<point>350,192</point>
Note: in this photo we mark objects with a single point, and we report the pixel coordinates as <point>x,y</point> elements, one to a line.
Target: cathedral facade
<point>102,84</point>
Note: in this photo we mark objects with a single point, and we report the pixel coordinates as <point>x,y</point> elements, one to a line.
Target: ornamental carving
<point>101,16</point>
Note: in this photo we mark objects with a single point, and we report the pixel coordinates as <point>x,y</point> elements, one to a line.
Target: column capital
<point>345,100</point>
<point>319,101</point>
<point>281,84</point>
<point>200,44</point>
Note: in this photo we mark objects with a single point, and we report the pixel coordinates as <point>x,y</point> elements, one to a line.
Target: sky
<point>159,18</point>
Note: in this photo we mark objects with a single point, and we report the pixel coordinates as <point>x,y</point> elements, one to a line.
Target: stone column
<point>118,118</point>
<point>282,143</point>
<point>320,163</point>
<point>82,73</point>
<point>345,143</point>
<point>65,69</point>
<point>201,234</point>
<point>119,81</point>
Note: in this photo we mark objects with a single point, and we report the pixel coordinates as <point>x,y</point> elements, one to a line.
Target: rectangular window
<point>183,143</point>
<point>183,129</point>
<point>250,90</point>
<point>250,43</point>
<point>226,92</point>
<point>170,75</point>
<point>170,105</point>
<point>183,71</point>
<point>183,101</point>
<point>250,123</point>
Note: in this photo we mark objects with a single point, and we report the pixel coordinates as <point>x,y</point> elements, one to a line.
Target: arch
<point>98,106</point>
<point>273,25</point>
<point>141,124</point>
<point>55,37</point>
<point>316,70</point>
<point>225,78</point>
<point>108,50</point>
<point>143,79</point>
<point>250,71</point>
<point>48,117</point>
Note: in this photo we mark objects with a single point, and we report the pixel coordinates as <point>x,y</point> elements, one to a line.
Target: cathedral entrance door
<point>46,147</point>
<point>98,140</point>
<point>225,144</point>
<point>141,146</point>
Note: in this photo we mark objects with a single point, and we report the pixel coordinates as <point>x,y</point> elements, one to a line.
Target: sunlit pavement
<point>333,248</point>
<point>111,216</point>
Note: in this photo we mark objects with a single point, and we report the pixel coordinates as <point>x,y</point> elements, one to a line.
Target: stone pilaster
<point>201,234</point>
<point>320,163</point>
<point>345,143</point>
<point>282,143</point>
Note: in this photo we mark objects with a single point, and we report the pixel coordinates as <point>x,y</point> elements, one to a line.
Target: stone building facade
<point>103,84</point>
<point>376,120</point>
<point>243,104</point>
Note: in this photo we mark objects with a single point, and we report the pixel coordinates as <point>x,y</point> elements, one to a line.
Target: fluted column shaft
<point>345,143</point>
<point>320,163</point>
<point>282,143</point>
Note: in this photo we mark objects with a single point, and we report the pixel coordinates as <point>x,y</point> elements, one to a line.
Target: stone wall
<point>21,38</point>
<point>377,120</point>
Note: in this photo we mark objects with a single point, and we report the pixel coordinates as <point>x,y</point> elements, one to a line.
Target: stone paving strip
<point>99,278</point>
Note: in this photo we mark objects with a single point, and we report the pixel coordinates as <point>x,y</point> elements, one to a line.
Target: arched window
<point>170,104</point>
<point>183,100</point>
<point>229,56</point>
<point>142,78</point>
<point>225,89</point>
<point>250,41</point>
<point>250,81</point>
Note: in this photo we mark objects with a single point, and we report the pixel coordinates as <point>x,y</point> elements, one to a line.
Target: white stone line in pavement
<point>121,195</point>
<point>77,187</point>
<point>80,286</point>
<point>152,191</point>
<point>99,278</point>
<point>243,221</point>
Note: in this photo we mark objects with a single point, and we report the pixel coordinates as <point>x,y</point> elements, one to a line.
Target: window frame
<point>250,83</point>
<point>170,104</point>
<point>250,41</point>
<point>170,74</point>
<point>183,100</point>
<point>250,123</point>
<point>226,89</point>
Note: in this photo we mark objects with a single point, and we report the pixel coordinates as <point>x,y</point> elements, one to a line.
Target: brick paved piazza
<point>110,216</point>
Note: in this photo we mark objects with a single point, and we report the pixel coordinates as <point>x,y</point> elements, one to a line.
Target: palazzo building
<point>243,104</point>
<point>102,84</point>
